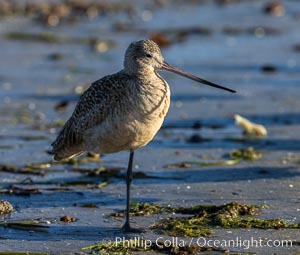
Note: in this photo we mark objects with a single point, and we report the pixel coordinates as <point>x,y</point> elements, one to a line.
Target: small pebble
<point>52,20</point>
<point>67,219</point>
<point>297,47</point>
<point>89,205</point>
<point>268,69</point>
<point>195,139</point>
<point>55,56</point>
<point>61,106</point>
<point>274,9</point>
<point>259,32</point>
<point>197,125</point>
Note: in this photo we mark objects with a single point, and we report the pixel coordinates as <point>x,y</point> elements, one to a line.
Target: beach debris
<point>61,106</point>
<point>102,185</point>
<point>25,225</point>
<point>103,172</point>
<point>187,164</point>
<point>197,125</point>
<point>55,56</point>
<point>20,191</point>
<point>268,68</point>
<point>67,219</point>
<point>34,169</point>
<point>297,47</point>
<point>195,138</point>
<point>249,128</point>
<point>275,9</point>
<point>5,207</point>
<point>88,205</point>
<point>235,157</point>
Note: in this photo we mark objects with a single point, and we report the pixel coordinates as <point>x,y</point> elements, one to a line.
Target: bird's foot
<point>128,229</point>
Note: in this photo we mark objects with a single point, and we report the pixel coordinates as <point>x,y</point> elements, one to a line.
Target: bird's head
<point>141,55</point>
<point>144,56</point>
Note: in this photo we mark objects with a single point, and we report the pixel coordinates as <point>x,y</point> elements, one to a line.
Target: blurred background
<point>52,50</point>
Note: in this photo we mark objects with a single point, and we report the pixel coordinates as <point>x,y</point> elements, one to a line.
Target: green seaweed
<point>25,225</point>
<point>235,157</point>
<point>143,209</point>
<point>19,191</point>
<point>32,138</point>
<point>131,246</point>
<point>77,183</point>
<point>249,154</point>
<point>191,227</point>
<point>113,248</point>
<point>106,172</point>
<point>41,37</point>
<point>27,169</point>
<point>102,185</point>
<point>186,164</point>
<point>109,172</point>
<point>231,215</point>
<point>6,147</point>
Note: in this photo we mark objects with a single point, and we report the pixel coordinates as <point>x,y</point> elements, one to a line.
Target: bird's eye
<point>148,55</point>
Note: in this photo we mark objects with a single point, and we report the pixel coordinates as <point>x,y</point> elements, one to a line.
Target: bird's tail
<point>64,147</point>
<point>65,156</point>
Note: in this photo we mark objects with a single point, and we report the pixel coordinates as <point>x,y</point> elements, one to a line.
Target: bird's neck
<point>147,78</point>
<point>140,71</point>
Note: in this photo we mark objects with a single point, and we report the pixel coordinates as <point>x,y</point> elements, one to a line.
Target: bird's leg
<point>126,226</point>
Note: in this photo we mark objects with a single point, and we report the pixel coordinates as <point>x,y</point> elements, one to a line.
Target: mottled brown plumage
<point>122,111</point>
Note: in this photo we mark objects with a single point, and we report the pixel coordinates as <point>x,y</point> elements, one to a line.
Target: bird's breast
<point>152,106</point>
<point>135,122</point>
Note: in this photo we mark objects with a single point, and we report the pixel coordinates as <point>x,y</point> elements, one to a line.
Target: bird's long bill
<point>173,69</point>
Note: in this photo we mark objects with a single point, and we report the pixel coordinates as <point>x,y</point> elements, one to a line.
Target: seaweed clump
<point>131,246</point>
<point>249,154</point>
<point>143,209</point>
<point>114,248</point>
<point>197,220</point>
<point>231,215</point>
<point>235,157</point>
<point>5,207</point>
<point>188,227</point>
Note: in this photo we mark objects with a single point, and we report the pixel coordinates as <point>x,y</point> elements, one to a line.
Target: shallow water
<point>32,84</point>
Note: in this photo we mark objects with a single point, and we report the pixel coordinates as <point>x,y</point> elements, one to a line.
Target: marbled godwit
<point>122,111</point>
